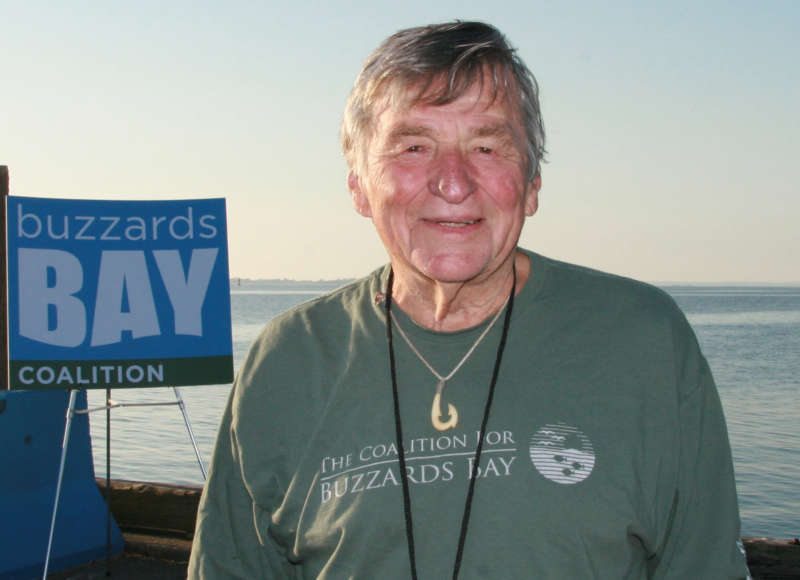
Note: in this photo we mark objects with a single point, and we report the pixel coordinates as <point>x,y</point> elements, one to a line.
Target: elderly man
<point>471,408</point>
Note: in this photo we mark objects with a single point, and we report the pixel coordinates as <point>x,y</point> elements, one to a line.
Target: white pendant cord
<point>436,410</point>
<point>463,359</point>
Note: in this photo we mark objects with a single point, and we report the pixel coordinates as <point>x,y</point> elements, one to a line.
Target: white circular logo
<point>562,453</point>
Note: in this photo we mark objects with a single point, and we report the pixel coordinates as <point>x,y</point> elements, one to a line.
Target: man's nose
<point>452,180</point>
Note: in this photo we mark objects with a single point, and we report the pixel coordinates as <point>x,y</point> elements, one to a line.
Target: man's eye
<point>414,149</point>
<point>483,149</point>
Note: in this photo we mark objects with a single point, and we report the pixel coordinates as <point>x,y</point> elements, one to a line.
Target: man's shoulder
<point>327,311</point>
<point>580,285</point>
<point>309,335</point>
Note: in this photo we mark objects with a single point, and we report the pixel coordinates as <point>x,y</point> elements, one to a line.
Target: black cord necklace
<point>399,430</point>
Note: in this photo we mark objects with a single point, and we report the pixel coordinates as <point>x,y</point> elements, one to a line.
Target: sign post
<point>3,280</point>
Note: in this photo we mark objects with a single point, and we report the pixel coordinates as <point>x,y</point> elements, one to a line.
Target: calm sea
<point>750,335</point>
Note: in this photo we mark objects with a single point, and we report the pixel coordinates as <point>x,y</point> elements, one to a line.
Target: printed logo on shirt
<point>562,453</point>
<point>429,460</point>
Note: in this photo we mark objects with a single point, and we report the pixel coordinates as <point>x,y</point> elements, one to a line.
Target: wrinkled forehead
<point>486,89</point>
<point>491,87</point>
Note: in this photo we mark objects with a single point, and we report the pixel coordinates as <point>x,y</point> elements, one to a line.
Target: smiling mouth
<point>457,224</point>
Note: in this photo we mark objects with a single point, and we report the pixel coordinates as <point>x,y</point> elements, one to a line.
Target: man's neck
<point>451,306</point>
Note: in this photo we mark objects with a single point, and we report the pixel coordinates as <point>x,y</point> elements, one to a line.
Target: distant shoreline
<point>336,282</point>
<point>286,284</point>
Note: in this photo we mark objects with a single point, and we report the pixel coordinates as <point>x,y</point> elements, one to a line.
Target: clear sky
<point>672,126</point>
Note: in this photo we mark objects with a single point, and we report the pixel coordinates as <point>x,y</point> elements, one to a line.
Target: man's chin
<point>454,271</point>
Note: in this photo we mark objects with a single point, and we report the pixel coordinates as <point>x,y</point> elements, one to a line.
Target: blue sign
<point>117,293</point>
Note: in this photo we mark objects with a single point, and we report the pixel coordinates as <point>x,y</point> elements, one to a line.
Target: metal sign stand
<point>110,404</point>
<point>64,444</point>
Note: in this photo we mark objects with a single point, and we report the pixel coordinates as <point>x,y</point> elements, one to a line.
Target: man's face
<point>446,185</point>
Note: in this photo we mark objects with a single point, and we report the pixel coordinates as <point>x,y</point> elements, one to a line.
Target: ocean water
<point>750,336</point>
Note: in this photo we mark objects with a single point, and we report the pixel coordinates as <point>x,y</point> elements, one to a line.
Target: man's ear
<point>360,201</point>
<point>532,195</point>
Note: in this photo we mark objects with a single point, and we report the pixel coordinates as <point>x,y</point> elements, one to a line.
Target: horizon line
<point>654,282</point>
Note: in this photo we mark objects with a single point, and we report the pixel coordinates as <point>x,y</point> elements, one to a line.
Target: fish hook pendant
<point>436,411</point>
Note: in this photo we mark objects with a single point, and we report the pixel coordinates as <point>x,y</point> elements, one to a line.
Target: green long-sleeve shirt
<point>606,453</point>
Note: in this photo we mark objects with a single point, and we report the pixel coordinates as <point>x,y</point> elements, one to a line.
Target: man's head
<point>443,137</point>
<point>436,65</point>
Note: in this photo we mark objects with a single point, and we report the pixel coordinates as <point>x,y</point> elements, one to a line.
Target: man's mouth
<point>460,224</point>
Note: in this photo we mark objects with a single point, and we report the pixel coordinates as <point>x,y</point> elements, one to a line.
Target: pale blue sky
<point>672,126</point>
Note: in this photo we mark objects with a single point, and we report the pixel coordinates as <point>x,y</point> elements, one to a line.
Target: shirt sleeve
<point>703,532</point>
<point>226,543</point>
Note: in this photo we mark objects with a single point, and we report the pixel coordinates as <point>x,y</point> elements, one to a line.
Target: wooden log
<point>773,559</point>
<point>158,547</point>
<point>154,508</point>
